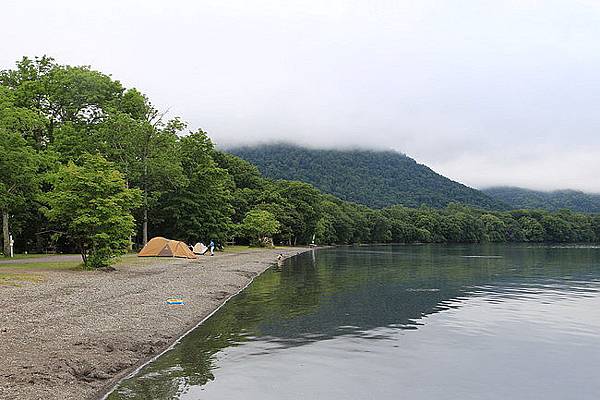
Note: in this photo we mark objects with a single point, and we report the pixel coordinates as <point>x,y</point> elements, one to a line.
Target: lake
<point>390,322</point>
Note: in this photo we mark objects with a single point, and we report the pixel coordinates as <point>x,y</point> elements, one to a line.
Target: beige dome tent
<point>161,247</point>
<point>200,248</point>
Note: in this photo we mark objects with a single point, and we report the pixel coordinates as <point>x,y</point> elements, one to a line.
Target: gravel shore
<point>75,334</point>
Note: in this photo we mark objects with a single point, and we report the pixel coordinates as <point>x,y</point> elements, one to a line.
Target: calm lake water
<point>398,322</point>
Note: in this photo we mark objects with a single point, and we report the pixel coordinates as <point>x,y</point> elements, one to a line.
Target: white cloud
<point>486,92</point>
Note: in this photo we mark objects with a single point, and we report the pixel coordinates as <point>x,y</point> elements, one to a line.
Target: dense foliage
<point>87,165</point>
<point>260,226</point>
<point>54,117</point>
<point>373,178</point>
<point>302,212</point>
<point>91,204</point>
<point>559,199</point>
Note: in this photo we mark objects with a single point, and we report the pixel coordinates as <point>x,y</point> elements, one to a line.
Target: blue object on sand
<point>175,301</point>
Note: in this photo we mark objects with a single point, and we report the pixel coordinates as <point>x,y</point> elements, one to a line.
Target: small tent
<point>200,248</point>
<point>161,247</point>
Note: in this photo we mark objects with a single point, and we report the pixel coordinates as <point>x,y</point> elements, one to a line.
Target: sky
<point>485,92</point>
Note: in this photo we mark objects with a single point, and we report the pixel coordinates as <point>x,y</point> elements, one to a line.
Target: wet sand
<point>75,334</point>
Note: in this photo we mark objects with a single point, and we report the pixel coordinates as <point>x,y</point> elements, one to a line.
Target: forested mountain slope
<point>524,198</point>
<point>374,178</point>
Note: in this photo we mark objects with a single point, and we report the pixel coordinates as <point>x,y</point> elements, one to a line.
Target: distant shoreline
<point>77,334</point>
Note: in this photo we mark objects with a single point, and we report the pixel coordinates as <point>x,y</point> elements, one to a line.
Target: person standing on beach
<point>211,246</point>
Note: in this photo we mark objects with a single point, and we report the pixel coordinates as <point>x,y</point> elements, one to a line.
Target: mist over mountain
<point>517,198</point>
<point>373,178</point>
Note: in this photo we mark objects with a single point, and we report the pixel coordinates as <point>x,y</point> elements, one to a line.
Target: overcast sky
<point>484,92</point>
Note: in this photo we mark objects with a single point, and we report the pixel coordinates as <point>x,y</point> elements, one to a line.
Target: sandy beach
<point>74,334</point>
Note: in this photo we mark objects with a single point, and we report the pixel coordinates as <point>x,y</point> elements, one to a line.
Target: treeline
<point>304,211</point>
<point>553,201</point>
<point>87,165</point>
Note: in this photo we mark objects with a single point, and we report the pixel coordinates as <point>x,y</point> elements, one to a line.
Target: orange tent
<point>161,247</point>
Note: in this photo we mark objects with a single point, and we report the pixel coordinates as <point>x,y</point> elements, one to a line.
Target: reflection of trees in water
<point>275,294</point>
<point>351,291</point>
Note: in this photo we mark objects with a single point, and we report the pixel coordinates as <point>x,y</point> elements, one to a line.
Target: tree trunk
<point>5,233</point>
<point>130,244</point>
<point>145,222</point>
<point>145,227</point>
<point>84,254</point>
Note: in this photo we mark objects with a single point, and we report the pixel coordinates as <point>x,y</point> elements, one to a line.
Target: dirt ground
<point>75,333</point>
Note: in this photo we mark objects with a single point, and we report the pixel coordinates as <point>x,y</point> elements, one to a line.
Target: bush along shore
<point>73,335</point>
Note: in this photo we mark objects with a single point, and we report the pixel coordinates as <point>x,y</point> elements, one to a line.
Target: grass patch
<point>11,279</point>
<point>237,249</point>
<point>133,260</point>
<point>27,256</point>
<point>44,266</point>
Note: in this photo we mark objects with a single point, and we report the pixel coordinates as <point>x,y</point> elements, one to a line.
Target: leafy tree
<point>62,92</point>
<point>557,229</point>
<point>514,230</point>
<point>304,206</point>
<point>431,221</point>
<point>494,227</point>
<point>146,151</point>
<point>244,174</point>
<point>92,205</point>
<point>28,123</point>
<point>259,225</point>
<point>336,226</point>
<point>595,224</point>
<point>18,177</point>
<point>325,231</point>
<point>201,208</point>
<point>87,111</point>
<point>380,228</point>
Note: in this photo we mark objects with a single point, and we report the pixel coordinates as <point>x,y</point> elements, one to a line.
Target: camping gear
<point>175,301</point>
<point>200,248</point>
<point>161,247</point>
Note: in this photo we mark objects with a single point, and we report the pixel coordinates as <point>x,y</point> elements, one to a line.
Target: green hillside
<point>374,178</point>
<point>524,198</point>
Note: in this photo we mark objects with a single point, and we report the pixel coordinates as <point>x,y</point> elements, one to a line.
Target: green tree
<point>87,111</point>
<point>146,150</point>
<point>533,231</point>
<point>201,208</point>
<point>18,177</point>
<point>380,228</point>
<point>304,205</point>
<point>27,122</point>
<point>92,205</point>
<point>557,229</point>
<point>494,227</point>
<point>61,92</point>
<point>595,224</point>
<point>259,226</point>
<point>250,188</point>
<point>335,226</point>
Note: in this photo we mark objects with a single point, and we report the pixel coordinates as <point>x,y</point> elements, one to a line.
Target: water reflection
<point>379,321</point>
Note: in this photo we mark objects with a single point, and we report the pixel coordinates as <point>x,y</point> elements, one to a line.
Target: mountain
<point>373,178</point>
<point>524,198</point>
